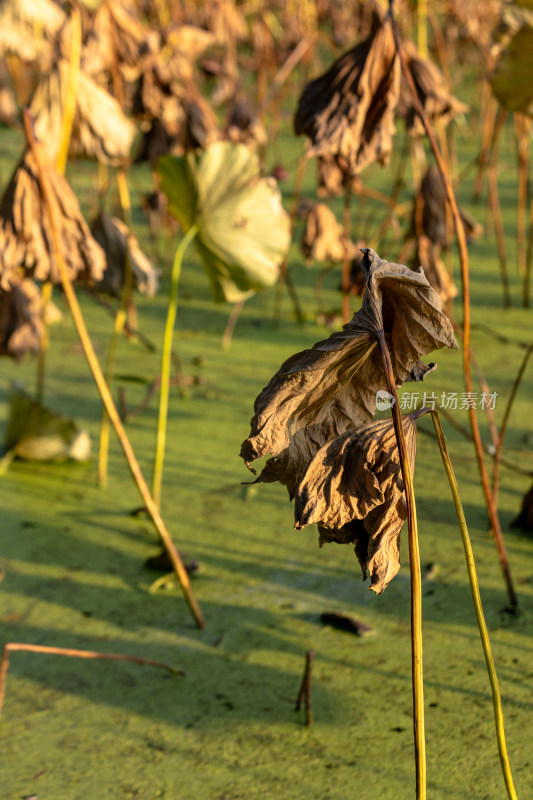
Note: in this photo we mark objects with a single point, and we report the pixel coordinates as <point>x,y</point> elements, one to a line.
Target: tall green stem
<point>416,579</point>
<point>165,364</point>
<point>474,588</point>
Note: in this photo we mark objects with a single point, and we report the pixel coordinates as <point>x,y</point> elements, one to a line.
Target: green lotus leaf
<point>243,230</point>
<point>511,80</point>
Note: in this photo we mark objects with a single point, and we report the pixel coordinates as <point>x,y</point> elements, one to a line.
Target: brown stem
<point>494,201</point>
<point>491,108</point>
<point>347,228</point>
<point>529,258</point>
<point>465,277</point>
<point>283,272</point>
<point>305,689</point>
<point>416,578</point>
<point>98,376</point>
<point>11,647</point>
<point>231,323</point>
<point>503,429</point>
<point>521,125</point>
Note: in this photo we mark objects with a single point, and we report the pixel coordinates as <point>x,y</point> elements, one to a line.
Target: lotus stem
<point>503,429</point>
<point>118,328</point>
<point>422,27</point>
<point>416,578</point>
<point>284,278</point>
<point>347,230</point>
<point>165,364</point>
<point>71,98</point>
<point>495,206</point>
<point>521,125</point>
<point>66,131</point>
<point>101,384</point>
<point>474,588</point>
<point>11,647</point>
<point>529,258</point>
<point>465,278</point>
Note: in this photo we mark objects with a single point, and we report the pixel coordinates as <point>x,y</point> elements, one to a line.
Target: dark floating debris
<point>345,622</point>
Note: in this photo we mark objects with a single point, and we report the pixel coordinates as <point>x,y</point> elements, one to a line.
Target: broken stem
<point>11,647</point>
<point>305,689</point>
<point>416,578</point>
<point>166,358</point>
<point>474,588</point>
<point>99,379</point>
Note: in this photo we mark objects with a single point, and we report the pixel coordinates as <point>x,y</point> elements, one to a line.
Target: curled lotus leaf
<point>511,78</point>
<point>243,230</point>
<point>26,233</point>
<point>324,238</point>
<point>353,488</point>
<point>321,393</point>
<point>21,322</point>
<point>349,111</point>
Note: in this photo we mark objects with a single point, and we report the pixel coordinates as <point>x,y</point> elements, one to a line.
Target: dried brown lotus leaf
<point>358,477</point>
<point>21,325</point>
<point>118,243</point>
<point>99,129</point>
<point>427,255</point>
<point>243,125</point>
<point>349,111</point>
<point>25,230</point>
<point>321,393</point>
<point>324,238</point>
<point>436,100</point>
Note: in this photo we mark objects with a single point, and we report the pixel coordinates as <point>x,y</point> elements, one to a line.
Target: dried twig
<point>305,689</point>
<point>11,647</point>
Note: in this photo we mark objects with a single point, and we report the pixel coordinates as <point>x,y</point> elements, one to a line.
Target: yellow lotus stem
<point>165,364</point>
<point>101,384</point>
<point>474,588</point>
<point>70,99</point>
<point>416,579</point>
<point>422,27</point>
<point>120,321</point>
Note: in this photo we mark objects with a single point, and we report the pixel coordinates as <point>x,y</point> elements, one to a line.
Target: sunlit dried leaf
<point>21,325</point>
<point>324,238</point>
<point>25,230</point>
<point>433,94</point>
<point>427,255</point>
<point>358,477</point>
<point>36,433</point>
<point>349,111</point>
<point>244,232</point>
<point>118,242</point>
<point>99,129</point>
<point>320,393</point>
<point>19,21</point>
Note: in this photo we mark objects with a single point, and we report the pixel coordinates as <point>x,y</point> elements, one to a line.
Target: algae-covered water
<point>73,575</point>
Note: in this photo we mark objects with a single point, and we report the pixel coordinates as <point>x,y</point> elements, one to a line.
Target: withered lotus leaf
<point>25,229</point>
<point>118,244</point>
<point>21,324</point>
<point>321,393</point>
<point>433,94</point>
<point>349,111</point>
<point>427,255</point>
<point>324,238</point>
<point>100,128</point>
<point>353,488</point>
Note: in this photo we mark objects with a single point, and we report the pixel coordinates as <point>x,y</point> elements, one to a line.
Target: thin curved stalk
<point>495,207</point>
<point>101,384</point>
<point>465,278</point>
<point>503,429</point>
<point>474,588</point>
<point>11,647</point>
<point>165,364</point>
<point>120,322</point>
<point>416,579</point>
<point>66,131</point>
<point>346,264</point>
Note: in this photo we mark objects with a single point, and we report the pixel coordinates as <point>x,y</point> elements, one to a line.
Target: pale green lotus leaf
<point>512,78</point>
<point>36,433</point>
<point>243,230</point>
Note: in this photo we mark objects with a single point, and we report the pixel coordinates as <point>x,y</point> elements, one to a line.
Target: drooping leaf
<point>118,243</point>
<point>324,238</point>
<point>349,111</point>
<point>243,230</point>
<point>21,324</point>
<point>25,229</point>
<point>36,433</point>
<point>321,393</point>
<point>511,78</point>
<point>353,489</point>
<point>100,128</point>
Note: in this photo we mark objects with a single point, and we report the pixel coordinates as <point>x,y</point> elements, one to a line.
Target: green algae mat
<point>73,575</point>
